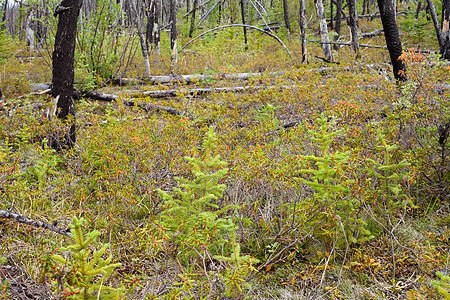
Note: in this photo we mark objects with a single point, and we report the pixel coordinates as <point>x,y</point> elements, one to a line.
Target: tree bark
<point>445,48</point>
<point>419,7</point>
<point>173,30</point>
<point>63,71</point>
<point>303,30</point>
<point>353,25</point>
<point>436,23</point>
<point>392,38</point>
<point>243,22</point>
<point>156,28</point>
<point>150,23</point>
<point>323,30</point>
<point>338,17</point>
<point>194,10</point>
<point>286,18</point>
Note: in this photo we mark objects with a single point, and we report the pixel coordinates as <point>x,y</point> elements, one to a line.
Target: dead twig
<point>24,220</point>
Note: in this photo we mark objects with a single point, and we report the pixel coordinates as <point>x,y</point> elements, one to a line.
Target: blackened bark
<point>150,23</point>
<point>194,10</point>
<point>436,23</point>
<point>445,48</point>
<point>392,37</point>
<point>243,22</point>
<point>353,25</point>
<point>419,7</point>
<point>286,18</point>
<point>303,30</point>
<point>63,70</point>
<point>173,30</point>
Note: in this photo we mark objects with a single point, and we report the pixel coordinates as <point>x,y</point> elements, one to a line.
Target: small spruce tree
<point>192,217</point>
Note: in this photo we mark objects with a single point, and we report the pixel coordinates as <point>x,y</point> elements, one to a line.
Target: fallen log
<point>192,78</point>
<point>24,220</point>
<point>149,107</point>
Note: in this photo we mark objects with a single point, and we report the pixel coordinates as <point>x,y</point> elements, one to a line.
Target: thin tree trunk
<point>331,14</point>
<point>353,25</point>
<point>303,30</point>
<point>156,27</point>
<point>29,32</point>
<point>286,18</point>
<point>194,10</point>
<point>144,48</point>
<point>392,38</point>
<point>337,27</point>
<point>243,22</point>
<point>150,24</point>
<point>419,7</point>
<point>173,30</point>
<point>436,23</point>
<point>323,30</point>
<point>63,71</point>
<point>445,34</point>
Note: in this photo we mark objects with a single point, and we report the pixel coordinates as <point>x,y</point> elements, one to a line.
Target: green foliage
<point>86,271</point>
<point>388,177</point>
<point>191,218</point>
<point>442,285</point>
<point>238,269</point>
<point>336,208</point>
<point>6,46</point>
<point>416,29</point>
<point>100,44</point>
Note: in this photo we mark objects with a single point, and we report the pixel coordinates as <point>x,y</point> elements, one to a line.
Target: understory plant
<point>388,175</point>
<point>192,217</point>
<point>336,210</point>
<point>84,269</point>
<point>442,285</point>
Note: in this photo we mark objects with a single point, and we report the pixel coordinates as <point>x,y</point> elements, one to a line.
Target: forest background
<point>301,153</point>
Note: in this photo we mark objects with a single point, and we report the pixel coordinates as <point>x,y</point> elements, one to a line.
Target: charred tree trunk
<point>337,27</point>
<point>445,47</point>
<point>173,30</point>
<point>194,10</point>
<point>150,23</point>
<point>419,7</point>
<point>392,37</point>
<point>286,18</point>
<point>323,30</point>
<point>353,25</point>
<point>436,23</point>
<point>303,30</point>
<point>243,22</point>
<point>63,72</point>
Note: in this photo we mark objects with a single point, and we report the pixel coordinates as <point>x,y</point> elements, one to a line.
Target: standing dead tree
<point>173,30</point>
<point>353,19</point>
<point>63,72</point>
<point>323,30</point>
<point>392,37</point>
<point>144,47</point>
<point>303,30</point>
